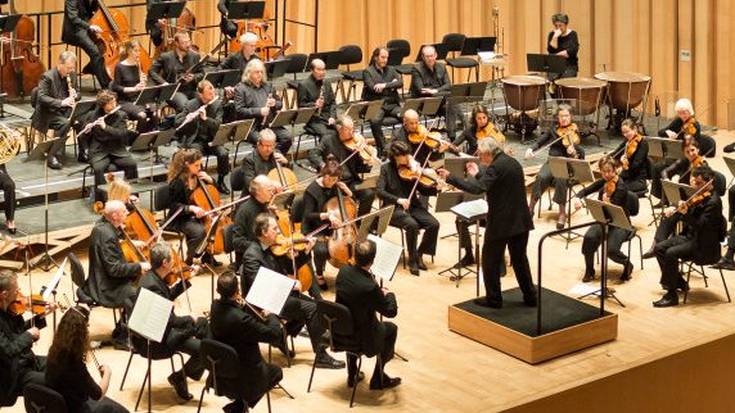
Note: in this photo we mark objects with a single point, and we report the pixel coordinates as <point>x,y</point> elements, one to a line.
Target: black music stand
<point>364,111</point>
<point>442,50</point>
<point>467,92</point>
<point>675,192</point>
<point>292,118</point>
<point>166,10</point>
<point>446,201</point>
<point>234,132</point>
<point>426,107</point>
<point>224,78</point>
<point>730,162</point>
<point>331,59</point>
<point>245,10</point>
<point>573,171</point>
<point>546,63</point>
<point>472,45</point>
<point>158,94</point>
<point>162,138</point>
<point>664,148</point>
<point>277,68</point>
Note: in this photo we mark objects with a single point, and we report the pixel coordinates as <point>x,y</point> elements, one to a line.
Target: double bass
<point>21,67</point>
<point>186,22</point>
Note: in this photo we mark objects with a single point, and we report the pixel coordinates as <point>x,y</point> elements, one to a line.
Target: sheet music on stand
<point>579,169</point>
<point>446,200</point>
<point>471,210</point>
<point>383,215</point>
<point>150,315</point>
<point>673,191</point>
<point>604,212</point>
<point>49,290</point>
<point>270,290</point>
<point>664,148</point>
<point>387,256</point>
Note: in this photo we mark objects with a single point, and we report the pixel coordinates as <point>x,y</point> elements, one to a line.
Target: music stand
<point>456,165</point>
<point>331,59</point>
<point>442,50</point>
<point>277,68</point>
<point>364,111</point>
<point>166,10</point>
<point>383,215</point>
<point>675,192</point>
<point>664,148</point>
<point>467,92</point>
<point>546,63</point>
<point>472,45</point>
<point>292,118</point>
<point>164,137</point>
<point>245,10</point>
<point>572,171</point>
<point>157,94</point>
<point>426,106</point>
<point>445,201</point>
<point>730,162</point>
<point>221,79</point>
<point>234,132</point>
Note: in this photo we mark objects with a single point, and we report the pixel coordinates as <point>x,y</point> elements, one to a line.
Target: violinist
<point>412,132</point>
<point>197,125</point>
<point>314,91</point>
<point>382,82</point>
<point>178,65</point>
<point>411,210</point>
<point>563,41</point>
<point>128,82</point>
<point>481,127</point>
<point>562,140</point>
<point>681,167</point>
<point>299,310</point>
<point>261,190</point>
<point>430,78</point>
<point>18,365</point>
<point>263,159</point>
<point>256,98</point>
<point>704,228</point>
<point>341,147</point>
<point>183,333</point>
<point>241,59</point>
<point>77,31</point>
<point>611,188</point>
<point>633,156</point>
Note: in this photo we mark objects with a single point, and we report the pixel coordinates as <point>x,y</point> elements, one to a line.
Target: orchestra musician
<point>704,228</point>
<point>263,159</point>
<point>410,126</point>
<point>66,370</point>
<point>411,210</point>
<point>237,325</point>
<point>7,185</point>
<point>298,309</point>
<point>77,31</point>
<point>563,41</point>
<point>508,220</point>
<point>360,293</point>
<point>314,91</point>
<point>55,99</point>
<point>153,26</point>
<point>336,145</point>
<point>480,127</point>
<point>178,65</point>
<point>382,82</point>
<point>727,262</point>
<point>633,156</point>
<point>430,78</point>
<point>128,82</point>
<point>261,190</point>
<point>611,188</point>
<point>197,125</point>
<point>562,140</point>
<point>240,60</point>
<point>227,26</point>
<point>183,333</point>
<point>256,98</point>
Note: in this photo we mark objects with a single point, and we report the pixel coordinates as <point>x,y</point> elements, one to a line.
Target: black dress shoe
<point>413,268</point>
<point>729,148</point>
<point>325,361</point>
<point>322,283</point>
<point>530,301</point>
<point>83,157</point>
<point>627,271</point>
<point>387,383</point>
<point>351,379</point>
<point>683,285</point>
<point>466,261</point>
<point>281,346</point>
<point>649,254</point>
<point>588,276</point>
<point>54,163</point>
<point>420,263</point>
<point>669,299</point>
<point>484,302</point>
<point>13,230</point>
<point>222,188</point>
<point>725,264</point>
<point>178,381</point>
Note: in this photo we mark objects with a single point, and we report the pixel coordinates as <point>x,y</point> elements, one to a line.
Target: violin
<point>702,194</point>
<point>569,136</point>
<point>432,139</point>
<point>610,187</point>
<point>35,304</point>
<point>490,131</point>
<point>689,127</point>
<point>341,243</point>
<point>630,147</point>
<point>362,146</point>
<point>207,197</point>
<point>413,171</point>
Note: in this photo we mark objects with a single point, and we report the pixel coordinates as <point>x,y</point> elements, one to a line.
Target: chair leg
<point>706,284</point>
<point>311,376</point>
<point>267,398</point>
<point>686,292</point>
<point>127,368</point>
<point>640,249</point>
<point>285,345</point>
<point>357,375</point>
<point>724,284</point>
<point>201,399</point>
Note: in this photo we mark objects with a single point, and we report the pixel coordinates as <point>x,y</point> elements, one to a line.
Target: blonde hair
<point>119,190</point>
<point>254,64</point>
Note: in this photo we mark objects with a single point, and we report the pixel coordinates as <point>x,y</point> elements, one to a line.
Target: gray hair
<point>254,64</point>
<point>114,206</point>
<point>266,135</point>
<point>6,279</point>
<point>343,120</point>
<point>684,104</point>
<point>258,183</point>
<point>317,63</point>
<point>249,37</point>
<point>67,55</point>
<point>565,107</point>
<point>489,146</point>
<point>160,252</point>
<point>427,50</point>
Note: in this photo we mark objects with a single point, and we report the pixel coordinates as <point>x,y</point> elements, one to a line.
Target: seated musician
<point>431,79</point>
<point>18,365</point>
<point>197,125</point>
<point>183,333</point>
<point>563,41</point>
<point>241,59</point>
<point>110,279</point>
<point>382,82</point>
<point>184,172</point>
<point>66,369</point>
<point>55,97</point>
<point>361,294</point>
<point>633,156</point>
<point>107,139</point>
<point>563,141</point>
<point>256,98</point>
<point>263,159</point>
<point>128,82</point>
<point>314,91</point>
<point>178,65</point>
<point>298,309</point>
<point>412,126</point>
<point>612,189</point>
<point>480,127</point>
<point>237,325</point>
<point>352,168</point>
<point>77,31</point>
<point>261,190</point>
<point>228,27</point>
<point>412,211</point>
<point>704,228</point>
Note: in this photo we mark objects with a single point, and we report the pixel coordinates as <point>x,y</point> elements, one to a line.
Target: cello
<point>21,67</point>
<point>341,243</point>
<point>206,197</point>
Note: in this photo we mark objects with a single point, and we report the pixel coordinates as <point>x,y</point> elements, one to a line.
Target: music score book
<point>270,290</point>
<point>150,315</point>
<point>387,255</point>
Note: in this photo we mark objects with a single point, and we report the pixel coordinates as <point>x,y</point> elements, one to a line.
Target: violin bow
<point>416,184</point>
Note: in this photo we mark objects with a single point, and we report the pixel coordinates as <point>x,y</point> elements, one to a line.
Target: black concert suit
<point>169,67</point>
<point>129,76</point>
<point>199,133</point>
<point>638,166</point>
<point>401,134</point>
<point>544,179</point>
<point>468,135</point>
<point>315,199</point>
<point>228,28</point>
<point>423,77</point>
<point>308,92</point>
<point>248,102</point>
<point>254,165</point>
<point>358,291</point>
<point>179,196</point>
<point>244,225</point>
<point>392,101</point>
<point>151,25</point>
<point>48,112</point>
<point>81,393</point>
<point>508,224</point>
<point>75,31</point>
<point>18,365</point>
<point>236,61</point>
<point>570,43</point>
<point>7,185</point>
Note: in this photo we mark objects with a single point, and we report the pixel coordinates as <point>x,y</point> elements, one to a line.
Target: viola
<point>341,243</point>
<point>630,147</point>
<point>702,194</point>
<point>490,131</point>
<point>569,136</point>
<point>610,187</point>
<point>206,196</point>
<point>432,139</point>
<point>22,303</point>
<point>362,146</point>
<point>689,127</point>
<point>413,171</point>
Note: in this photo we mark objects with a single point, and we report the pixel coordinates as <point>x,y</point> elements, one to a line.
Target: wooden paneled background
<point>624,35</point>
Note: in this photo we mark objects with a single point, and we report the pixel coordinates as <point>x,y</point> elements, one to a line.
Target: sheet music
<point>471,209</point>
<point>54,282</point>
<point>150,315</point>
<point>581,289</point>
<point>270,290</point>
<point>486,56</point>
<point>387,256</point>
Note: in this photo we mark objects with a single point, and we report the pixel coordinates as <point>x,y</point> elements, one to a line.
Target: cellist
<point>78,32</point>
<point>263,159</point>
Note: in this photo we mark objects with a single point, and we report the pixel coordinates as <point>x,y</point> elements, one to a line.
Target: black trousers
<point>154,29</point>
<point>668,253</point>
<point>376,125</point>
<point>299,311</point>
<point>544,180</point>
<point>96,61</point>
<point>8,187</point>
<point>125,163</point>
<point>493,253</point>
<point>31,373</point>
<point>593,239</point>
<point>60,124</point>
<point>321,255</point>
<point>364,198</point>
<point>145,119</point>
<point>637,186</point>
<point>666,228</point>
<point>274,374</point>
<point>451,115</point>
<point>283,138</point>
<point>387,351</point>
<point>105,405</point>
<point>319,128</point>
<point>656,169</point>
<point>194,232</point>
<point>228,28</point>
<point>220,152</point>
<point>412,221</point>
<point>179,99</point>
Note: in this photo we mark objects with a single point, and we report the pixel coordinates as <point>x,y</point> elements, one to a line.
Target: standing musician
<point>197,125</point>
<point>382,82</point>
<point>183,333</point>
<point>633,156</point>
<point>611,188</point>
<point>508,220</point>
<point>314,91</point>
<point>55,97</point>
<point>261,190</point>
<point>128,82</point>
<point>563,140</point>
<point>411,210</point>
<point>241,59</point>
<point>336,146</point>
<point>412,126</point>
<point>237,325</point>
<point>7,185</point>
<point>256,98</point>
<point>704,228</point>
<point>185,168</point>
<point>78,32</point>
<point>358,291</point>
<point>431,79</point>
<point>110,280</point>
<point>563,41</point>
<point>153,26</point>
<point>263,159</point>
<point>298,309</point>
<point>481,127</point>
<point>178,65</point>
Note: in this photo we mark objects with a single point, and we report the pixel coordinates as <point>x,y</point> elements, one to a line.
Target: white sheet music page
<point>270,290</point>
<point>471,209</point>
<point>387,255</point>
<point>54,281</point>
<point>150,315</point>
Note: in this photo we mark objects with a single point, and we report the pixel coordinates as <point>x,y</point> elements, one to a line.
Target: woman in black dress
<point>563,41</point>
<point>129,80</point>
